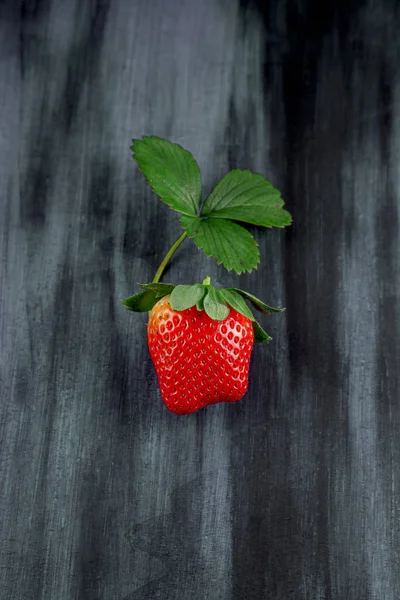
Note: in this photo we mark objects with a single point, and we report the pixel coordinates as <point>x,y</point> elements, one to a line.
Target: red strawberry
<point>199,360</point>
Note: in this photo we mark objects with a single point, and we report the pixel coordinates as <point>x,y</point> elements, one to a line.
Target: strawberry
<point>200,338</point>
<point>199,360</point>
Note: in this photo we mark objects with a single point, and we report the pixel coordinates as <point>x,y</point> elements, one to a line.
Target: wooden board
<point>293,493</point>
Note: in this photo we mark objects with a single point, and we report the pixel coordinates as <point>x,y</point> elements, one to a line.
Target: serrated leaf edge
<point>219,262</point>
<point>280,200</point>
<point>148,181</point>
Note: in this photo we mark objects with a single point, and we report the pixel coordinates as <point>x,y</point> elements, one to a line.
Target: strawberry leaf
<point>259,334</point>
<point>171,171</point>
<point>236,301</point>
<point>241,195</point>
<point>186,296</point>
<point>160,289</point>
<point>142,302</point>
<point>248,197</point>
<point>258,304</point>
<point>215,305</point>
<point>227,242</point>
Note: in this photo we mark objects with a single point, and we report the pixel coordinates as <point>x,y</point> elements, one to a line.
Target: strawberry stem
<point>170,252</point>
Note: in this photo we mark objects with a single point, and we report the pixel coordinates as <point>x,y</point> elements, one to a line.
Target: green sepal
<point>160,289</point>
<point>260,335</point>
<point>200,304</point>
<point>215,302</point>
<point>258,304</point>
<point>215,305</point>
<point>186,296</point>
<point>142,302</point>
<point>236,301</point>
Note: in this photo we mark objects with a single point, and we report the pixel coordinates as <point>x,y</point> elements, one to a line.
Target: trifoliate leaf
<point>248,197</point>
<point>142,302</point>
<point>227,242</point>
<point>215,305</point>
<point>259,334</point>
<point>161,289</point>
<point>236,301</point>
<point>171,171</point>
<point>186,296</point>
<point>258,304</point>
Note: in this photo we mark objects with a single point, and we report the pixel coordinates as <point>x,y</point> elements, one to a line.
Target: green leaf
<point>214,304</point>
<point>161,289</point>
<point>236,301</point>
<point>186,296</point>
<point>227,242</point>
<point>258,304</point>
<point>248,197</point>
<point>259,334</point>
<point>142,302</point>
<point>171,171</point>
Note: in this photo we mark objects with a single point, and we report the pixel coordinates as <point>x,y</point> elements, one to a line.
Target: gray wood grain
<point>293,493</point>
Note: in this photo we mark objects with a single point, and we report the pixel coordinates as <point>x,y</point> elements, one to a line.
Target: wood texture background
<point>293,493</point>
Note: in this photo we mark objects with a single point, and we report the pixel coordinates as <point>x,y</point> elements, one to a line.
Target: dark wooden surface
<point>294,492</point>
